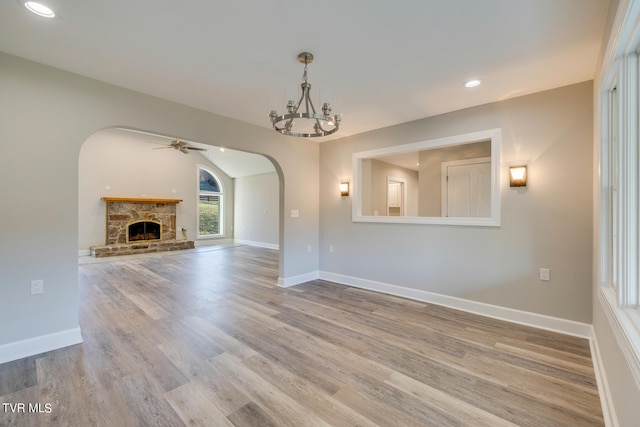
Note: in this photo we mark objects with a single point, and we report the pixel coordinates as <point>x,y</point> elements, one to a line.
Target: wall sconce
<point>518,176</point>
<point>344,188</point>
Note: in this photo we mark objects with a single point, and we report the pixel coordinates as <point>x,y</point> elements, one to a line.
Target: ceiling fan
<point>182,146</point>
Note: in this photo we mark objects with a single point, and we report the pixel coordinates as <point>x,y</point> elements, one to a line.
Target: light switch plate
<point>544,274</point>
<point>37,287</point>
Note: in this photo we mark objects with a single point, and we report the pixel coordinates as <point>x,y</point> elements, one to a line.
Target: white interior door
<point>467,189</point>
<point>395,197</point>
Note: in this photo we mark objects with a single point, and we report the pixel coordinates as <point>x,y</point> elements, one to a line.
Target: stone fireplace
<point>140,225</point>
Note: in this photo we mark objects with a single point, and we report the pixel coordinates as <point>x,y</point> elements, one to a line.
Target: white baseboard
<point>258,244</point>
<point>84,252</point>
<point>541,321</point>
<point>32,346</point>
<point>285,282</point>
<point>606,400</point>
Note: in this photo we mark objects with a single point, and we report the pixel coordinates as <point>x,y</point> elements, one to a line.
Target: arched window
<point>210,207</point>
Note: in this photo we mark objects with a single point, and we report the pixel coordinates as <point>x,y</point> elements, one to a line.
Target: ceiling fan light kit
<point>321,124</point>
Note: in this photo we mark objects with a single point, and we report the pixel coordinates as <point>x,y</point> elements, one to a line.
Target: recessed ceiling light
<point>472,83</point>
<point>39,9</point>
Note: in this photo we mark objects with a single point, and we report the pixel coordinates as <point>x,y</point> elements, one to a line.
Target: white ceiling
<point>379,62</point>
<point>404,160</point>
<point>236,163</point>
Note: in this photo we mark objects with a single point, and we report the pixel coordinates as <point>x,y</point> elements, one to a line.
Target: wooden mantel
<point>139,200</point>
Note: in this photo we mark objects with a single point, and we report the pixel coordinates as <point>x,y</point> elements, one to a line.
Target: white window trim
<point>621,69</point>
<point>625,324</point>
<point>220,194</point>
<point>628,181</point>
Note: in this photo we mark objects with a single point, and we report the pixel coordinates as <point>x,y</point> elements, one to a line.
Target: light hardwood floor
<point>204,337</point>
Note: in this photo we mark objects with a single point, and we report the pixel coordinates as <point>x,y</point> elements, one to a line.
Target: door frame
<point>403,206</point>
<point>443,178</point>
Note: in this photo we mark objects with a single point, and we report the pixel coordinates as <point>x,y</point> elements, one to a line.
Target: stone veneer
<point>123,211</point>
<point>140,248</point>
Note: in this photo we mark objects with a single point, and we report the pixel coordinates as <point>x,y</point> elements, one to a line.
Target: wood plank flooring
<point>205,338</point>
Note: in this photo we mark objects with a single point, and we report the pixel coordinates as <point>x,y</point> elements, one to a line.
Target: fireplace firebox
<point>144,231</point>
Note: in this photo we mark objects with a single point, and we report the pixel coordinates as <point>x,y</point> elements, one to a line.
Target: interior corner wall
<point>47,114</point>
<point>380,170</point>
<point>547,225</point>
<point>130,166</point>
<point>256,210</point>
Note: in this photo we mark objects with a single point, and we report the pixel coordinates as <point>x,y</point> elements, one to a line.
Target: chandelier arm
<point>307,99</point>
<point>289,123</point>
<point>299,102</point>
<point>286,117</point>
<point>309,102</point>
<point>313,109</point>
<point>320,126</point>
<point>318,121</point>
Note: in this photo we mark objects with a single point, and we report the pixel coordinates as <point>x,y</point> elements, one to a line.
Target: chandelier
<point>308,124</point>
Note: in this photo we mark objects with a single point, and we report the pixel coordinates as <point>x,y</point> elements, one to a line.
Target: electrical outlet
<point>37,287</point>
<point>544,274</point>
<point>331,248</point>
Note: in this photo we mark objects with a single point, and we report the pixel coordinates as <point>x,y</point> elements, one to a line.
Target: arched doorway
<point>119,162</point>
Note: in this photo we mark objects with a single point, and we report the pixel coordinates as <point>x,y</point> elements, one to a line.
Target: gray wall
<point>547,225</point>
<point>256,209</point>
<point>133,168</point>
<point>47,114</point>
<point>377,187</point>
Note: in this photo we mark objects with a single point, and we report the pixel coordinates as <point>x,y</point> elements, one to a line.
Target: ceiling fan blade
<point>181,146</point>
